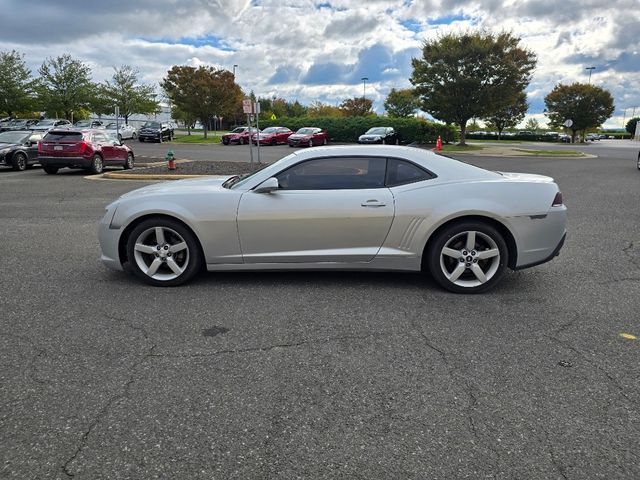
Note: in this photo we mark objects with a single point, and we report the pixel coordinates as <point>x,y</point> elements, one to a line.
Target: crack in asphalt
<point>267,347</point>
<point>628,251</point>
<point>613,380</point>
<point>552,453</point>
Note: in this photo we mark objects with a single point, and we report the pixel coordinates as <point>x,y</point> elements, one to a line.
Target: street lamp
<point>364,87</point>
<point>234,71</point>
<point>591,69</point>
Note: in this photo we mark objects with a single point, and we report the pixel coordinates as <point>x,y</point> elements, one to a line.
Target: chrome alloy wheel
<point>161,253</point>
<point>470,259</point>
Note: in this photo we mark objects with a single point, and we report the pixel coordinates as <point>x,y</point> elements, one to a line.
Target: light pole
<point>591,69</point>
<point>234,71</point>
<point>364,87</point>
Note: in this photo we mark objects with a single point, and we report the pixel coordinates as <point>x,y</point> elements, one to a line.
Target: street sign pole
<point>117,111</point>
<point>257,109</point>
<point>247,107</point>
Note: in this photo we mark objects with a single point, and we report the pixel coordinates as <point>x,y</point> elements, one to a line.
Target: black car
<point>386,135</point>
<point>19,149</point>
<point>19,124</point>
<point>155,132</point>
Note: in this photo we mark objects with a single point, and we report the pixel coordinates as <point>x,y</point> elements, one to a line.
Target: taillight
<point>557,200</point>
<point>40,147</point>
<point>82,146</point>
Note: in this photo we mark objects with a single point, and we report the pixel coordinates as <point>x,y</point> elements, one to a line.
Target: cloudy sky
<point>320,49</point>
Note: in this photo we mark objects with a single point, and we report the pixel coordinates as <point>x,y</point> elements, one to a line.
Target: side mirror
<point>268,186</point>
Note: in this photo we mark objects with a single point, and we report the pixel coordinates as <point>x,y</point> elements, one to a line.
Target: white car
<point>341,208</point>
<point>124,131</point>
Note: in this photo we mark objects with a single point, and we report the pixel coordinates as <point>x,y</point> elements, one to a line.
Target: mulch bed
<point>201,167</point>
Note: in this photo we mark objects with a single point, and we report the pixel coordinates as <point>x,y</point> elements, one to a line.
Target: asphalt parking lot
<point>320,375</point>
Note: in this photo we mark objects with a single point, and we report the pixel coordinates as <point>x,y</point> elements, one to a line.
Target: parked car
<point>21,124</point>
<point>239,135</point>
<point>49,123</point>
<point>564,138</point>
<point>19,149</point>
<point>124,131</point>
<point>91,150</point>
<point>5,125</point>
<point>342,207</point>
<point>88,124</point>
<point>308,137</point>
<point>155,132</point>
<point>272,136</point>
<point>592,137</point>
<point>386,135</point>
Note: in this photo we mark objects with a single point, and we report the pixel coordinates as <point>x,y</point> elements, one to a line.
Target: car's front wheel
<point>468,257</point>
<point>20,162</point>
<point>163,252</point>
<point>128,163</point>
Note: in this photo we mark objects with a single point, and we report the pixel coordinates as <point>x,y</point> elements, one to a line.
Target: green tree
<point>203,92</point>
<point>509,115</point>
<point>587,106</point>
<point>532,125</point>
<point>189,120</point>
<point>357,107</point>
<point>318,109</point>
<point>461,76</point>
<point>401,103</point>
<point>16,84</point>
<point>65,86</point>
<point>631,125</point>
<point>125,91</point>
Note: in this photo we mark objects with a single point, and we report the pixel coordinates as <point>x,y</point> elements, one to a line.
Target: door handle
<point>373,203</point>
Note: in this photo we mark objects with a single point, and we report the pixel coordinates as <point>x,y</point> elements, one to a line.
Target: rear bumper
<point>554,253</point>
<point>539,238</point>
<point>62,162</point>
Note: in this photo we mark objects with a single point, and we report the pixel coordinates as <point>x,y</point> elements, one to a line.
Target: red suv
<point>89,149</point>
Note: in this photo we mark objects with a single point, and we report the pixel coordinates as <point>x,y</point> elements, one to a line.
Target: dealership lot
<point>319,375</point>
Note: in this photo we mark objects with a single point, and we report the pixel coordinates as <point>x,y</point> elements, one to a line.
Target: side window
<point>400,172</point>
<point>98,138</point>
<point>334,174</point>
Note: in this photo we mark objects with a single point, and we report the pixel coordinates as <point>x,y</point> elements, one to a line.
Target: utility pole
<point>591,69</point>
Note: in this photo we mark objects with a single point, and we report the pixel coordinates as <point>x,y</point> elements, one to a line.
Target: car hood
<point>372,135</point>
<point>189,185</point>
<point>301,135</point>
<point>8,145</point>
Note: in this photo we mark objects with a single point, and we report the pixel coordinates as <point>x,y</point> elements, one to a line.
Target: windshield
<point>235,182</point>
<point>46,122</point>
<point>270,130</point>
<point>13,137</point>
<point>306,131</point>
<point>238,130</point>
<point>151,125</point>
<point>83,123</point>
<point>376,131</point>
<point>110,126</point>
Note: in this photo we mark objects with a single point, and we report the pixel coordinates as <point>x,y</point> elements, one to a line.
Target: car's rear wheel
<point>20,162</point>
<point>119,137</point>
<point>133,135</point>
<point>311,143</point>
<point>468,257</point>
<point>128,164</point>
<point>50,170</point>
<point>96,164</point>
<point>163,252</point>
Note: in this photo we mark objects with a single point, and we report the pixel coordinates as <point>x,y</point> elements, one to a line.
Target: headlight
<point>5,151</point>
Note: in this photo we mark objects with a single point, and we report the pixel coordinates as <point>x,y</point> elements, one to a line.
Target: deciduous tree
<point>357,107</point>
<point>65,85</point>
<point>509,115</point>
<point>461,76</point>
<point>16,84</point>
<point>587,106</point>
<point>631,125</point>
<point>203,92</point>
<point>125,91</point>
<point>401,103</point>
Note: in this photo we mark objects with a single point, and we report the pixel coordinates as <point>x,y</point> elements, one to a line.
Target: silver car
<point>344,207</point>
<point>124,131</point>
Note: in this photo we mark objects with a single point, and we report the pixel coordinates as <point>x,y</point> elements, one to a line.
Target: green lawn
<point>551,153</point>
<point>460,148</point>
<point>196,138</point>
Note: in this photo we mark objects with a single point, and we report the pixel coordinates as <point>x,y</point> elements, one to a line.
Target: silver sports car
<point>344,207</point>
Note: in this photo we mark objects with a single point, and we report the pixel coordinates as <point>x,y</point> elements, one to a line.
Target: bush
<point>348,129</point>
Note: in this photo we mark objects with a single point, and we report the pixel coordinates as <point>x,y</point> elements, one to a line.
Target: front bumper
<point>62,162</point>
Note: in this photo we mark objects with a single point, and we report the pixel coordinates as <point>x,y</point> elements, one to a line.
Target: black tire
<point>129,162</point>
<point>225,141</point>
<point>120,138</point>
<point>456,237</point>
<point>638,164</point>
<point>141,140</point>
<point>20,162</point>
<point>97,165</point>
<point>50,170</point>
<point>160,138</point>
<point>273,142</point>
<point>192,262</point>
<point>310,143</point>
<point>134,135</point>
<point>170,136</point>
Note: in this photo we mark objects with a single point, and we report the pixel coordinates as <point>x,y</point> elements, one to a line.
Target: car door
<point>101,142</point>
<point>32,149</point>
<point>326,210</point>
